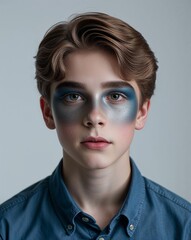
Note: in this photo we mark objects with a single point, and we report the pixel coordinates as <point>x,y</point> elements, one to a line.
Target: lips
<point>95,143</point>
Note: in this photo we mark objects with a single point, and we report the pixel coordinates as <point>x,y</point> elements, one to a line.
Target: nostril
<point>89,124</point>
<point>93,121</point>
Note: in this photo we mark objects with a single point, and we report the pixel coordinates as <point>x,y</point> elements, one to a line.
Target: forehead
<point>94,69</point>
<point>91,64</point>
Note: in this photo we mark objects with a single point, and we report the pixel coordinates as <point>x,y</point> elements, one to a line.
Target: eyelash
<point>69,95</point>
<point>121,97</point>
<point>68,98</point>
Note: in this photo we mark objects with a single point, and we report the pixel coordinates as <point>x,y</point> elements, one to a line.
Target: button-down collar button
<point>131,227</point>
<point>85,219</point>
<point>101,238</point>
<point>69,227</point>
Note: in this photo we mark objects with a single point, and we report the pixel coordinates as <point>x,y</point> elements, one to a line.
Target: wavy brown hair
<point>135,59</point>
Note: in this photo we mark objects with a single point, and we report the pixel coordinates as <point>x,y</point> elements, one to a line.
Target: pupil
<point>115,96</point>
<point>74,96</point>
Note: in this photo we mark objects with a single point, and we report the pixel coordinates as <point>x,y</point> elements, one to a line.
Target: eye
<point>116,98</point>
<point>73,98</point>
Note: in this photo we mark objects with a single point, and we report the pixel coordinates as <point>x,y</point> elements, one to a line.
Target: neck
<point>97,188</point>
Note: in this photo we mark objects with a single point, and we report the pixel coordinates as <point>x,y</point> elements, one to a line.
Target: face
<point>94,111</point>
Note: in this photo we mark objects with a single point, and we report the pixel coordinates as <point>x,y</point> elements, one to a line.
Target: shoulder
<point>27,197</point>
<point>166,199</point>
<point>168,211</point>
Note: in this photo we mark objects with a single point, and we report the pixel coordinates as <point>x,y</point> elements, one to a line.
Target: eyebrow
<point>117,84</point>
<point>77,85</point>
<point>71,84</point>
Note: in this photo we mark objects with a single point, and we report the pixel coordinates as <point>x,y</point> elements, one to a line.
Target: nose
<point>94,118</point>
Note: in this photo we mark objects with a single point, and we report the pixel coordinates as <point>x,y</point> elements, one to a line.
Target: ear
<point>47,113</point>
<point>142,115</point>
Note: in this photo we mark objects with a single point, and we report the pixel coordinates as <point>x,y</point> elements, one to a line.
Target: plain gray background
<point>30,152</point>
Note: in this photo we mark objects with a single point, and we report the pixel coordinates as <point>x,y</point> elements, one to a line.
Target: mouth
<point>95,143</point>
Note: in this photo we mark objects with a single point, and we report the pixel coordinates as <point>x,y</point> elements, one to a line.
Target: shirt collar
<point>134,202</point>
<point>67,209</point>
<point>64,205</point>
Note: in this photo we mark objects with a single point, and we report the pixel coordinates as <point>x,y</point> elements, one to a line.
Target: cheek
<point>66,114</point>
<point>122,114</point>
<point>124,133</point>
<point>67,133</point>
<point>124,129</point>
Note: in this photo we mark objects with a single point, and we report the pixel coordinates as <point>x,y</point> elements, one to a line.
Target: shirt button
<point>101,238</point>
<point>85,219</point>
<point>69,227</point>
<point>131,227</point>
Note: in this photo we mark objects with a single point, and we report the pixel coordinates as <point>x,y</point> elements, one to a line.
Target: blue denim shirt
<point>46,210</point>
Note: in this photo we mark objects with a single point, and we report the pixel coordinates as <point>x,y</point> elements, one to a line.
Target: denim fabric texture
<point>46,210</point>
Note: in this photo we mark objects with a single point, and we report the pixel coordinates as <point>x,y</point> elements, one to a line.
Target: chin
<point>95,163</point>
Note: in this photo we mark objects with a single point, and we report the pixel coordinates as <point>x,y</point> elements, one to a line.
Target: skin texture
<point>94,114</point>
<point>93,102</point>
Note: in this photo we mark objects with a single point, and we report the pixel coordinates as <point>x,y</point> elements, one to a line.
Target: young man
<point>96,75</point>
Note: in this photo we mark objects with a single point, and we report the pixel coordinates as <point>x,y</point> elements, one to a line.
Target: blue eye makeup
<point>116,98</point>
<point>70,97</point>
<point>67,103</point>
<point>121,103</point>
<point>72,104</point>
<point>126,94</point>
<point>62,94</point>
<point>73,98</point>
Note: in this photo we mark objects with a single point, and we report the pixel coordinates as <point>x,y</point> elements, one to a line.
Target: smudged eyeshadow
<point>117,113</point>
